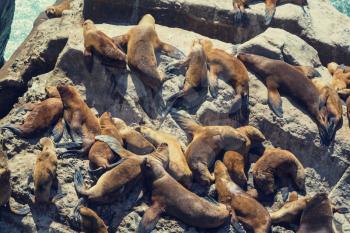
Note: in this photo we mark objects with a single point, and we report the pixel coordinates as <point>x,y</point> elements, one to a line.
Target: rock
<point>7,10</point>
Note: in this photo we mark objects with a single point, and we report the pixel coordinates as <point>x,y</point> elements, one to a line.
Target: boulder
<point>7,10</point>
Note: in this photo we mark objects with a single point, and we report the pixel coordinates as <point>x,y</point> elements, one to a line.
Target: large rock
<point>7,10</point>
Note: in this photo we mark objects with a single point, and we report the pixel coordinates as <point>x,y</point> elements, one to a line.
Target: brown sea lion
<point>278,76</point>
<point>142,41</point>
<point>100,155</point>
<point>42,116</point>
<point>132,139</point>
<point>178,167</point>
<point>90,222</point>
<point>98,41</point>
<point>82,122</point>
<point>118,180</point>
<point>244,207</point>
<point>170,197</point>
<point>57,10</point>
<point>277,163</point>
<point>207,142</point>
<point>291,211</point>
<point>317,216</point>
<point>231,69</point>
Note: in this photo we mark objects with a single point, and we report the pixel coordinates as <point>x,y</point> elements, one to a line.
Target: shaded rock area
<point>53,53</point>
<point>7,10</point>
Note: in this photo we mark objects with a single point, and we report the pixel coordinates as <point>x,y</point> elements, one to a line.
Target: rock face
<point>54,53</point>
<point>7,9</point>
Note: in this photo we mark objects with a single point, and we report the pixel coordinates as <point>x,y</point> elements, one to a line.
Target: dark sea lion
<point>280,76</point>
<point>245,208</point>
<point>142,41</point>
<point>207,142</point>
<point>57,10</point>
<point>90,222</point>
<point>98,41</point>
<point>100,155</point>
<point>231,69</point>
<point>178,167</point>
<point>277,163</point>
<point>170,197</point>
<point>82,122</point>
<point>42,116</point>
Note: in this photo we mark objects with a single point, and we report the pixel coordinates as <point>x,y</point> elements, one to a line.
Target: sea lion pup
<point>169,196</point>
<point>56,11</point>
<point>132,139</point>
<point>97,40</point>
<point>231,69</point>
<point>277,163</point>
<point>142,41</point>
<point>90,222</point>
<point>207,142</point>
<point>82,122</point>
<point>317,215</point>
<point>279,75</point>
<point>340,78</point>
<point>42,116</point>
<point>178,167</point>
<point>100,155</point>
<point>291,211</point>
<point>245,208</point>
<point>119,179</point>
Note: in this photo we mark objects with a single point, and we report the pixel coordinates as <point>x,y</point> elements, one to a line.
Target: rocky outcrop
<point>7,10</point>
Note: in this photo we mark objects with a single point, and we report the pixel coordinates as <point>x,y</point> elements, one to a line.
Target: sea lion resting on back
<point>142,41</point>
<point>279,76</point>
<point>57,10</point>
<point>207,142</point>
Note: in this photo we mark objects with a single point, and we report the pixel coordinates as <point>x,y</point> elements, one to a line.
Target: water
<point>342,5</point>
<point>26,12</point>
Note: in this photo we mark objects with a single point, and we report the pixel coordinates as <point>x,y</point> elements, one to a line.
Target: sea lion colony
<point>121,155</point>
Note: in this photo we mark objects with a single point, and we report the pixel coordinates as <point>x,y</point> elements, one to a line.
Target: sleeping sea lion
<point>207,142</point>
<point>57,10</point>
<point>279,76</point>
<point>245,208</point>
<point>42,116</point>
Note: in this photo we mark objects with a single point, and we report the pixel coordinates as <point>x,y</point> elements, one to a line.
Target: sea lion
<point>232,70</point>
<point>277,163</point>
<point>196,73</point>
<point>170,197</point>
<point>118,180</point>
<point>82,122</point>
<point>100,155</point>
<point>57,10</point>
<point>207,142</point>
<point>96,40</point>
<point>317,215</point>
<point>142,41</point>
<point>44,172</point>
<point>90,222</point>
<point>132,139</point>
<point>42,116</point>
<point>245,208</point>
<point>178,167</point>
<point>291,211</point>
<point>279,75</point>
<point>340,78</point>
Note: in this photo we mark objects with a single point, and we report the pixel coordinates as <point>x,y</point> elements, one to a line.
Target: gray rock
<point>7,10</point>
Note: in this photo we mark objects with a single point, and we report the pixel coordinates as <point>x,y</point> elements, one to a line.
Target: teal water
<point>27,11</point>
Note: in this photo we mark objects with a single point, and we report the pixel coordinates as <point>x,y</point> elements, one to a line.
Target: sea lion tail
<point>79,182</point>
<point>185,121</point>
<point>13,128</point>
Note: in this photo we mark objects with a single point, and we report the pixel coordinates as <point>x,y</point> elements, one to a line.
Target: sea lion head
<point>66,91</point>
<point>88,25</point>
<point>51,12</point>
<point>46,143</point>
<point>52,92</point>
<point>332,67</point>
<point>319,206</point>
<point>157,162</point>
<point>207,44</point>
<point>255,135</point>
<point>106,118</point>
<point>148,19</point>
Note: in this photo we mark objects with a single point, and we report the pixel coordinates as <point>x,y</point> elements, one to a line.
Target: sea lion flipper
<point>58,130</point>
<point>309,71</point>
<point>171,51</point>
<point>79,182</point>
<point>22,210</point>
<point>13,128</point>
<point>69,145</point>
<point>185,121</point>
<point>112,142</point>
<point>270,9</point>
<point>213,81</point>
<point>121,41</point>
<point>150,218</point>
<point>275,101</point>
<point>169,104</point>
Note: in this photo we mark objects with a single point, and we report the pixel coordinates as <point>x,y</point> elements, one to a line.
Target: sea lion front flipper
<point>274,98</point>
<point>185,121</point>
<point>170,50</point>
<point>150,218</point>
<point>213,80</point>
<point>270,9</point>
<point>58,130</point>
<point>114,145</point>
<point>13,128</point>
<point>169,104</point>
<point>79,182</point>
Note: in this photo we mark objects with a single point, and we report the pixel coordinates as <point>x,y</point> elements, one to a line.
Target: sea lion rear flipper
<point>171,51</point>
<point>270,9</point>
<point>13,128</point>
<point>274,100</point>
<point>235,223</point>
<point>150,218</point>
<point>213,81</point>
<point>185,121</point>
<point>79,182</point>
<point>112,142</point>
<point>23,210</point>
<point>58,130</point>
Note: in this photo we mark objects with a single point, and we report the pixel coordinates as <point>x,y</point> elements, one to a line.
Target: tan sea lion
<point>98,41</point>
<point>57,10</point>
<point>82,122</point>
<point>170,197</point>
<point>245,208</point>
<point>279,75</point>
<point>142,41</point>
<point>100,155</point>
<point>232,70</point>
<point>42,116</point>
<point>132,139</point>
<point>277,163</point>
<point>178,167</point>
<point>90,222</point>
<point>207,142</point>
